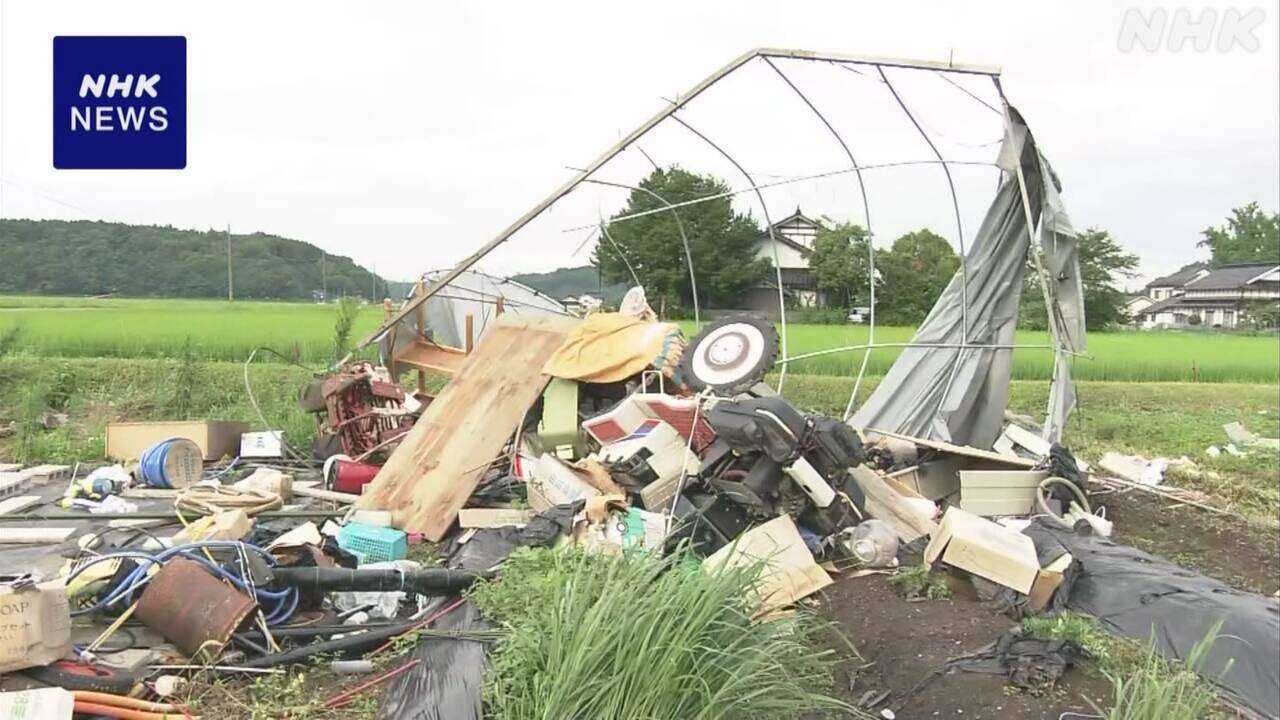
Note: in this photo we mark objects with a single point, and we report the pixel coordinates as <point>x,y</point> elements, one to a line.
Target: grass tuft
<point>917,583</point>
<point>636,636</point>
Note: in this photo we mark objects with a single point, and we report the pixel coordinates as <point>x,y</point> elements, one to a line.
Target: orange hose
<point>121,713</point>
<point>122,701</point>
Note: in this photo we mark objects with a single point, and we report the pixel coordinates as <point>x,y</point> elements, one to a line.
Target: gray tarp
<point>956,394</point>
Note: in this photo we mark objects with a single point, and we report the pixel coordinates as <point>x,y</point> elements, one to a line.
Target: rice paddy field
<point>221,331</point>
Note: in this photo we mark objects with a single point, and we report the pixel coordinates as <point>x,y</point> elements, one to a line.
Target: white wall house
<point>1218,297</point>
<point>792,241</point>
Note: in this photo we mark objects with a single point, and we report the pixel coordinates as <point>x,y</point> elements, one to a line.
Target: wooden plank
<point>318,494</point>
<point>908,516</point>
<point>433,471</point>
<point>18,504</point>
<point>34,535</point>
<point>215,438</point>
<point>493,517</point>
<point>10,467</point>
<point>422,355</point>
<point>999,492</point>
<point>957,449</point>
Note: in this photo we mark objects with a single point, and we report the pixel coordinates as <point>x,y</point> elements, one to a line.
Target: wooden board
<point>965,450</point>
<point>433,471</point>
<point>999,492</point>
<point>422,355</point>
<point>34,535</point>
<point>908,516</point>
<point>18,504</point>
<point>215,438</point>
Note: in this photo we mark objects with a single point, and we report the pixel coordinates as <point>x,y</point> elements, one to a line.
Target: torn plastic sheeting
<point>960,395</point>
<point>490,546</point>
<point>1140,595</point>
<point>1027,662</point>
<point>448,682</point>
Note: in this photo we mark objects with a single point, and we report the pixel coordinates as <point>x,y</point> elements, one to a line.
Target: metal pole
<point>693,281</point>
<point>773,240</point>
<point>643,128</point>
<point>231,291</point>
<point>871,331</point>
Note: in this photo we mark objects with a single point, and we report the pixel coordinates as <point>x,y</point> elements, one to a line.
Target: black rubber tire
<point>749,376</point>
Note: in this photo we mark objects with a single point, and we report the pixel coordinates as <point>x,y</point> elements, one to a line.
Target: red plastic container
<point>351,477</point>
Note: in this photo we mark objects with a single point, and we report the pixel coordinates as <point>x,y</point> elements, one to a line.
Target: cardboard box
<point>35,625</point>
<point>555,483</point>
<point>1047,582</point>
<point>215,438</point>
<point>1003,556</point>
<point>268,444</point>
<point>1000,492</point>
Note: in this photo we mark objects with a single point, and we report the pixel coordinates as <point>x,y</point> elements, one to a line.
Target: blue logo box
<point>119,102</point>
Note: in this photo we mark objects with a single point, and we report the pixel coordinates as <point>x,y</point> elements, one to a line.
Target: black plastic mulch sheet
<point>448,683</point>
<point>1143,596</point>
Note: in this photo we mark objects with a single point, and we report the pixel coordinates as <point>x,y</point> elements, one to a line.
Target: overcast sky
<point>405,135</point>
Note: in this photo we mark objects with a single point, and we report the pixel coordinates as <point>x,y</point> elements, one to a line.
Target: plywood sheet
<point>429,477</point>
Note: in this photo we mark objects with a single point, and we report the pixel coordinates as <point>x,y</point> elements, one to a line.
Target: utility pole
<point>231,287</point>
<point>324,278</point>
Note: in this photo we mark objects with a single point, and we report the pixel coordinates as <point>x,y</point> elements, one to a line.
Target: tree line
<point>57,257</point>
<point>909,275</point>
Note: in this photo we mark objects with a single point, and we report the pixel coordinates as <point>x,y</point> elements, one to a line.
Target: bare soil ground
<point>902,642</point>
<point>1242,555</point>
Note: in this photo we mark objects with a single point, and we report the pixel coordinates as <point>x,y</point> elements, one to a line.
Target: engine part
<point>731,354</point>
<point>708,522</point>
<point>191,607</point>
<point>811,482</point>
<point>832,447</point>
<point>768,425</point>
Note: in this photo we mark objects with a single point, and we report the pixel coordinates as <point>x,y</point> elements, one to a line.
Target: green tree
<point>913,273</point>
<point>1249,236</point>
<point>839,263</point>
<point>721,242</point>
<point>1103,263</point>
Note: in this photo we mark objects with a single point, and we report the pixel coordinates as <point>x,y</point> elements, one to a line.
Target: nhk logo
<point>119,102</point>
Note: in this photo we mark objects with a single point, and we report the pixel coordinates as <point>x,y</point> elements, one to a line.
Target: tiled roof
<point>1229,277</point>
<point>1179,278</point>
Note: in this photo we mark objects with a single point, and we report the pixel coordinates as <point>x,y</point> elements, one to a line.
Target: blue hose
<point>277,605</point>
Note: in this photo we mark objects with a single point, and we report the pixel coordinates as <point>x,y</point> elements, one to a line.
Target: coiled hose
<point>1042,500</point>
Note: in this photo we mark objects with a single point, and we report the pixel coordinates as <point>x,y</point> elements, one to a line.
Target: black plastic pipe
<point>430,581</point>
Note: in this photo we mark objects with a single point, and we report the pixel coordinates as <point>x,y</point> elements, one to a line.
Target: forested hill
<point>57,257</point>
<point>575,281</point>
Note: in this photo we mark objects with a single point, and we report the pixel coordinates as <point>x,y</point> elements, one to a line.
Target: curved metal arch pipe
<point>866,215</point>
<point>684,238</point>
<point>773,240</point>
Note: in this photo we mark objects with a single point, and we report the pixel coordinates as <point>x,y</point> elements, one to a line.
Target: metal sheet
<point>189,606</point>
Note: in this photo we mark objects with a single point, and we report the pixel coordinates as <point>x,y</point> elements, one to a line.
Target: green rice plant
<point>9,337</point>
<point>636,636</point>
<point>1159,690</point>
<point>185,379</point>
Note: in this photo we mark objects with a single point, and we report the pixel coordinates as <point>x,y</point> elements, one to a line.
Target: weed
<point>636,636</point>
<point>918,583</point>
<point>185,380</point>
<point>1100,647</point>
<point>1159,690</point>
<point>348,309</point>
<point>9,338</point>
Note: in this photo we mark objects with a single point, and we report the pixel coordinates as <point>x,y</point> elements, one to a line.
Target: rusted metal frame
<point>641,130</point>
<point>955,203</point>
<point>684,238</point>
<point>773,240</point>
